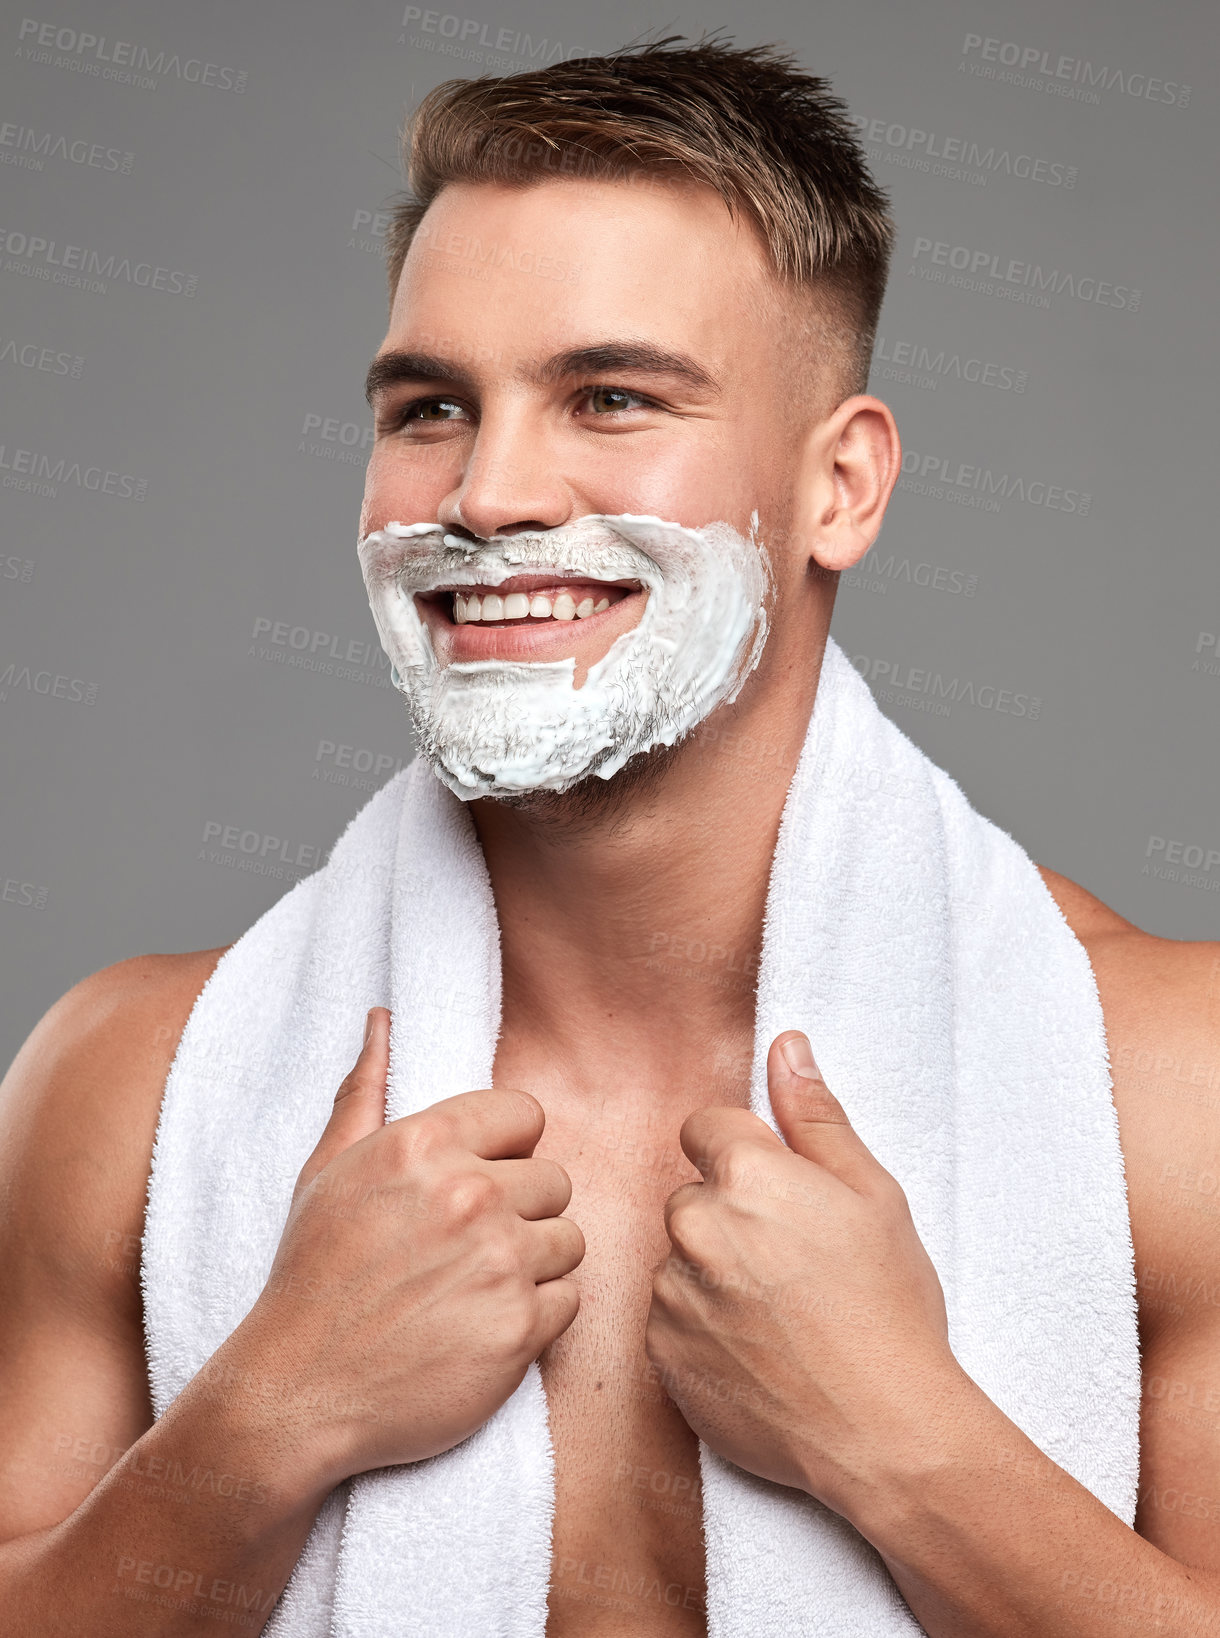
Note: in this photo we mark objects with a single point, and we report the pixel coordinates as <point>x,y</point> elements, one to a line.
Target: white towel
<point>951,1010</point>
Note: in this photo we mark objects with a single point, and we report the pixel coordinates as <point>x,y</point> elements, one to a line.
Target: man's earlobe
<point>841,546</point>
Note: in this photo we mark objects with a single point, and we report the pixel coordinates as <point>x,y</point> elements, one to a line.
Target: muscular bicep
<point>78,1114</point>
<point>1162,1013</point>
<point>1179,1492</point>
<point>72,1398</point>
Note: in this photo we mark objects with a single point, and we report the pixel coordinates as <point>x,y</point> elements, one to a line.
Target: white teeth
<point>521,605</point>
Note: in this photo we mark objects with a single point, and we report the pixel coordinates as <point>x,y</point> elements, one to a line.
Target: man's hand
<point>798,1324</point>
<point>420,1270</point>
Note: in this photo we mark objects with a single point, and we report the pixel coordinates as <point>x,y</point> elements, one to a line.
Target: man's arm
<point>992,1539</point>
<point>103,1525</point>
<point>858,1399</point>
<point>390,1328</point>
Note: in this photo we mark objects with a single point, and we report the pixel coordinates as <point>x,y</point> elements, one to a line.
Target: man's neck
<point>631,925</point>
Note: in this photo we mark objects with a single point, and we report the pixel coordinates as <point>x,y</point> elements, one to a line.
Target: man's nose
<point>510,483</point>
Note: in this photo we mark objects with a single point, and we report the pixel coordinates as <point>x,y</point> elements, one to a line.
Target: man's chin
<point>589,797</point>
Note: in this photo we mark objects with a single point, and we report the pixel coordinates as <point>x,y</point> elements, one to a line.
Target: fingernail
<point>798,1055</point>
<point>368,1026</point>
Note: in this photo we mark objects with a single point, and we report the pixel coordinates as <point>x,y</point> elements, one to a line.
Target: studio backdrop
<point>193,698</point>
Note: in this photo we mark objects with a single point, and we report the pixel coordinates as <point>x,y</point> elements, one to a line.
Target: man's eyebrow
<point>638,357</point>
<point>388,369</point>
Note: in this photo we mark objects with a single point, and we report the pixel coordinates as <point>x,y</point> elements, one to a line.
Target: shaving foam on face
<point>500,727</point>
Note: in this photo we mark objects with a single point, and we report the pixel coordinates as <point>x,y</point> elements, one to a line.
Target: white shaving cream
<point>498,727</point>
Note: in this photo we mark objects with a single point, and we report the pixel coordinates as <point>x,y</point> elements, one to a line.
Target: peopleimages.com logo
<point>991,265</point>
<point>122,60</point>
<point>922,366</point>
<point>960,158</point>
<point>76,265</point>
<point>948,479</point>
<point>466,36</point>
<point>897,683</point>
<point>29,147</point>
<point>1044,71</point>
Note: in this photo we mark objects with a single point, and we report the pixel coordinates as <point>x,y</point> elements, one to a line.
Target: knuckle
<point>465,1197</point>
<point>678,1207</point>
<point>520,1326</point>
<point>555,1178</point>
<point>679,1273</point>
<point>891,1194</point>
<point>439,1127</point>
<point>304,1179</point>
<point>416,1141</point>
<point>569,1242</point>
<point>737,1164</point>
<point>346,1087</point>
<point>500,1262</point>
<point>684,1222</point>
<point>567,1306</point>
<point>358,1082</point>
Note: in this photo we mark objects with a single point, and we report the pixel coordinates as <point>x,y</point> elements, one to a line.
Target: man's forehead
<point>535,283</point>
<point>550,244</point>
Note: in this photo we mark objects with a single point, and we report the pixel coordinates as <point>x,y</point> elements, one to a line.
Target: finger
<point>682,1196</point>
<point>554,1248</point>
<point>707,1134</point>
<point>558,1303</point>
<point>494,1123</point>
<point>359,1106</point>
<point>534,1188</point>
<point>812,1120</point>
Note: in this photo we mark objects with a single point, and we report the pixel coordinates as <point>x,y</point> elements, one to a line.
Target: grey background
<point>172,620</point>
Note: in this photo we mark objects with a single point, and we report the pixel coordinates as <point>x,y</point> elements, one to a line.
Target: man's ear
<point>850,464</point>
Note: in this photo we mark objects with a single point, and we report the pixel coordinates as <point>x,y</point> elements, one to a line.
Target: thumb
<point>812,1120</point>
<point>359,1106</point>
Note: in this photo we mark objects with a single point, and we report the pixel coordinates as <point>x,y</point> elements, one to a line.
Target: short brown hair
<point>769,138</point>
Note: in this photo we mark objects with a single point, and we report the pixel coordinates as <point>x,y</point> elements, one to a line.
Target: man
<point>687,373</point>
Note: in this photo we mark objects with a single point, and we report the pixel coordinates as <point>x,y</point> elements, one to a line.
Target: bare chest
<point>627,1542</point>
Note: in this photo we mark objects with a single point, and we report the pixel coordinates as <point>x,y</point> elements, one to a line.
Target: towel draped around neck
<point>951,1010</point>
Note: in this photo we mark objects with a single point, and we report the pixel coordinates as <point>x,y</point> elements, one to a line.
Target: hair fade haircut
<point>772,140</point>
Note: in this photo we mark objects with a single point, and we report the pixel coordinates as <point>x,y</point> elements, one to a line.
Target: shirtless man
<point>981,1533</point>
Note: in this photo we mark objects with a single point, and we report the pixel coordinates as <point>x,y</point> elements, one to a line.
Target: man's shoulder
<point>1153,990</point>
<point>79,1108</point>
<point>127,1017</point>
<point>1161,1001</point>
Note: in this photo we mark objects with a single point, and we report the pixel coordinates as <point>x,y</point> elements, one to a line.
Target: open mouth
<point>528,600</point>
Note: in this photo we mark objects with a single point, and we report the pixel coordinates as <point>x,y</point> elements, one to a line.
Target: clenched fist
<point>799,1323</point>
<point>421,1269</point>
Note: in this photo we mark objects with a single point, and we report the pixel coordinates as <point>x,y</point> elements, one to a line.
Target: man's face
<point>582,348</point>
<point>580,351</point>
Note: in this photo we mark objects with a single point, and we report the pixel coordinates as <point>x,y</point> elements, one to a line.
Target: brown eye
<point>432,409</point>
<point>611,398</point>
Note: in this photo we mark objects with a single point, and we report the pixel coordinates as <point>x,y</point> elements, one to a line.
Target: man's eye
<point>606,400</point>
<point>427,409</point>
